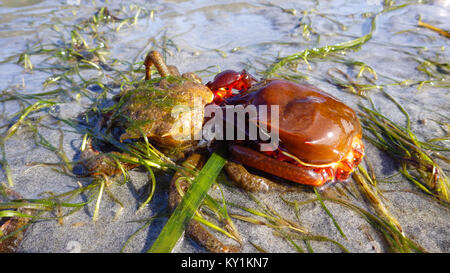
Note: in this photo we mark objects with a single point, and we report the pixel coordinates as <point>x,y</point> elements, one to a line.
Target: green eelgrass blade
<point>152,189</point>
<point>371,194</point>
<point>329,214</point>
<point>5,165</point>
<point>27,111</point>
<point>414,156</point>
<point>99,198</point>
<point>322,51</point>
<point>189,204</point>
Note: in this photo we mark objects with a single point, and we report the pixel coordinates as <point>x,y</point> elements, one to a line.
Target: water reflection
<point>18,3</point>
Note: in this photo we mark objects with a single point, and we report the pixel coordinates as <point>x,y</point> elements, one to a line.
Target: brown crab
<point>320,137</point>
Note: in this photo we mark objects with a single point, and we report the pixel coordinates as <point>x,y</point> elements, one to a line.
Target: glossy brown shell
<point>314,126</point>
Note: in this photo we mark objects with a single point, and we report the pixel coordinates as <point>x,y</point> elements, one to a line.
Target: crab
<point>146,111</point>
<point>320,137</point>
<point>12,229</point>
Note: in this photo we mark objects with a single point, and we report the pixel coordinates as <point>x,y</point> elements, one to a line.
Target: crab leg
<point>97,163</point>
<point>250,182</point>
<point>281,169</point>
<point>12,229</point>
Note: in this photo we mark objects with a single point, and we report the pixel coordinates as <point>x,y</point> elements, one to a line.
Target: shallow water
<point>208,38</point>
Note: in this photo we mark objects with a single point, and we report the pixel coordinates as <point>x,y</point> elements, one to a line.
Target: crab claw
<point>226,81</point>
<point>97,163</point>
